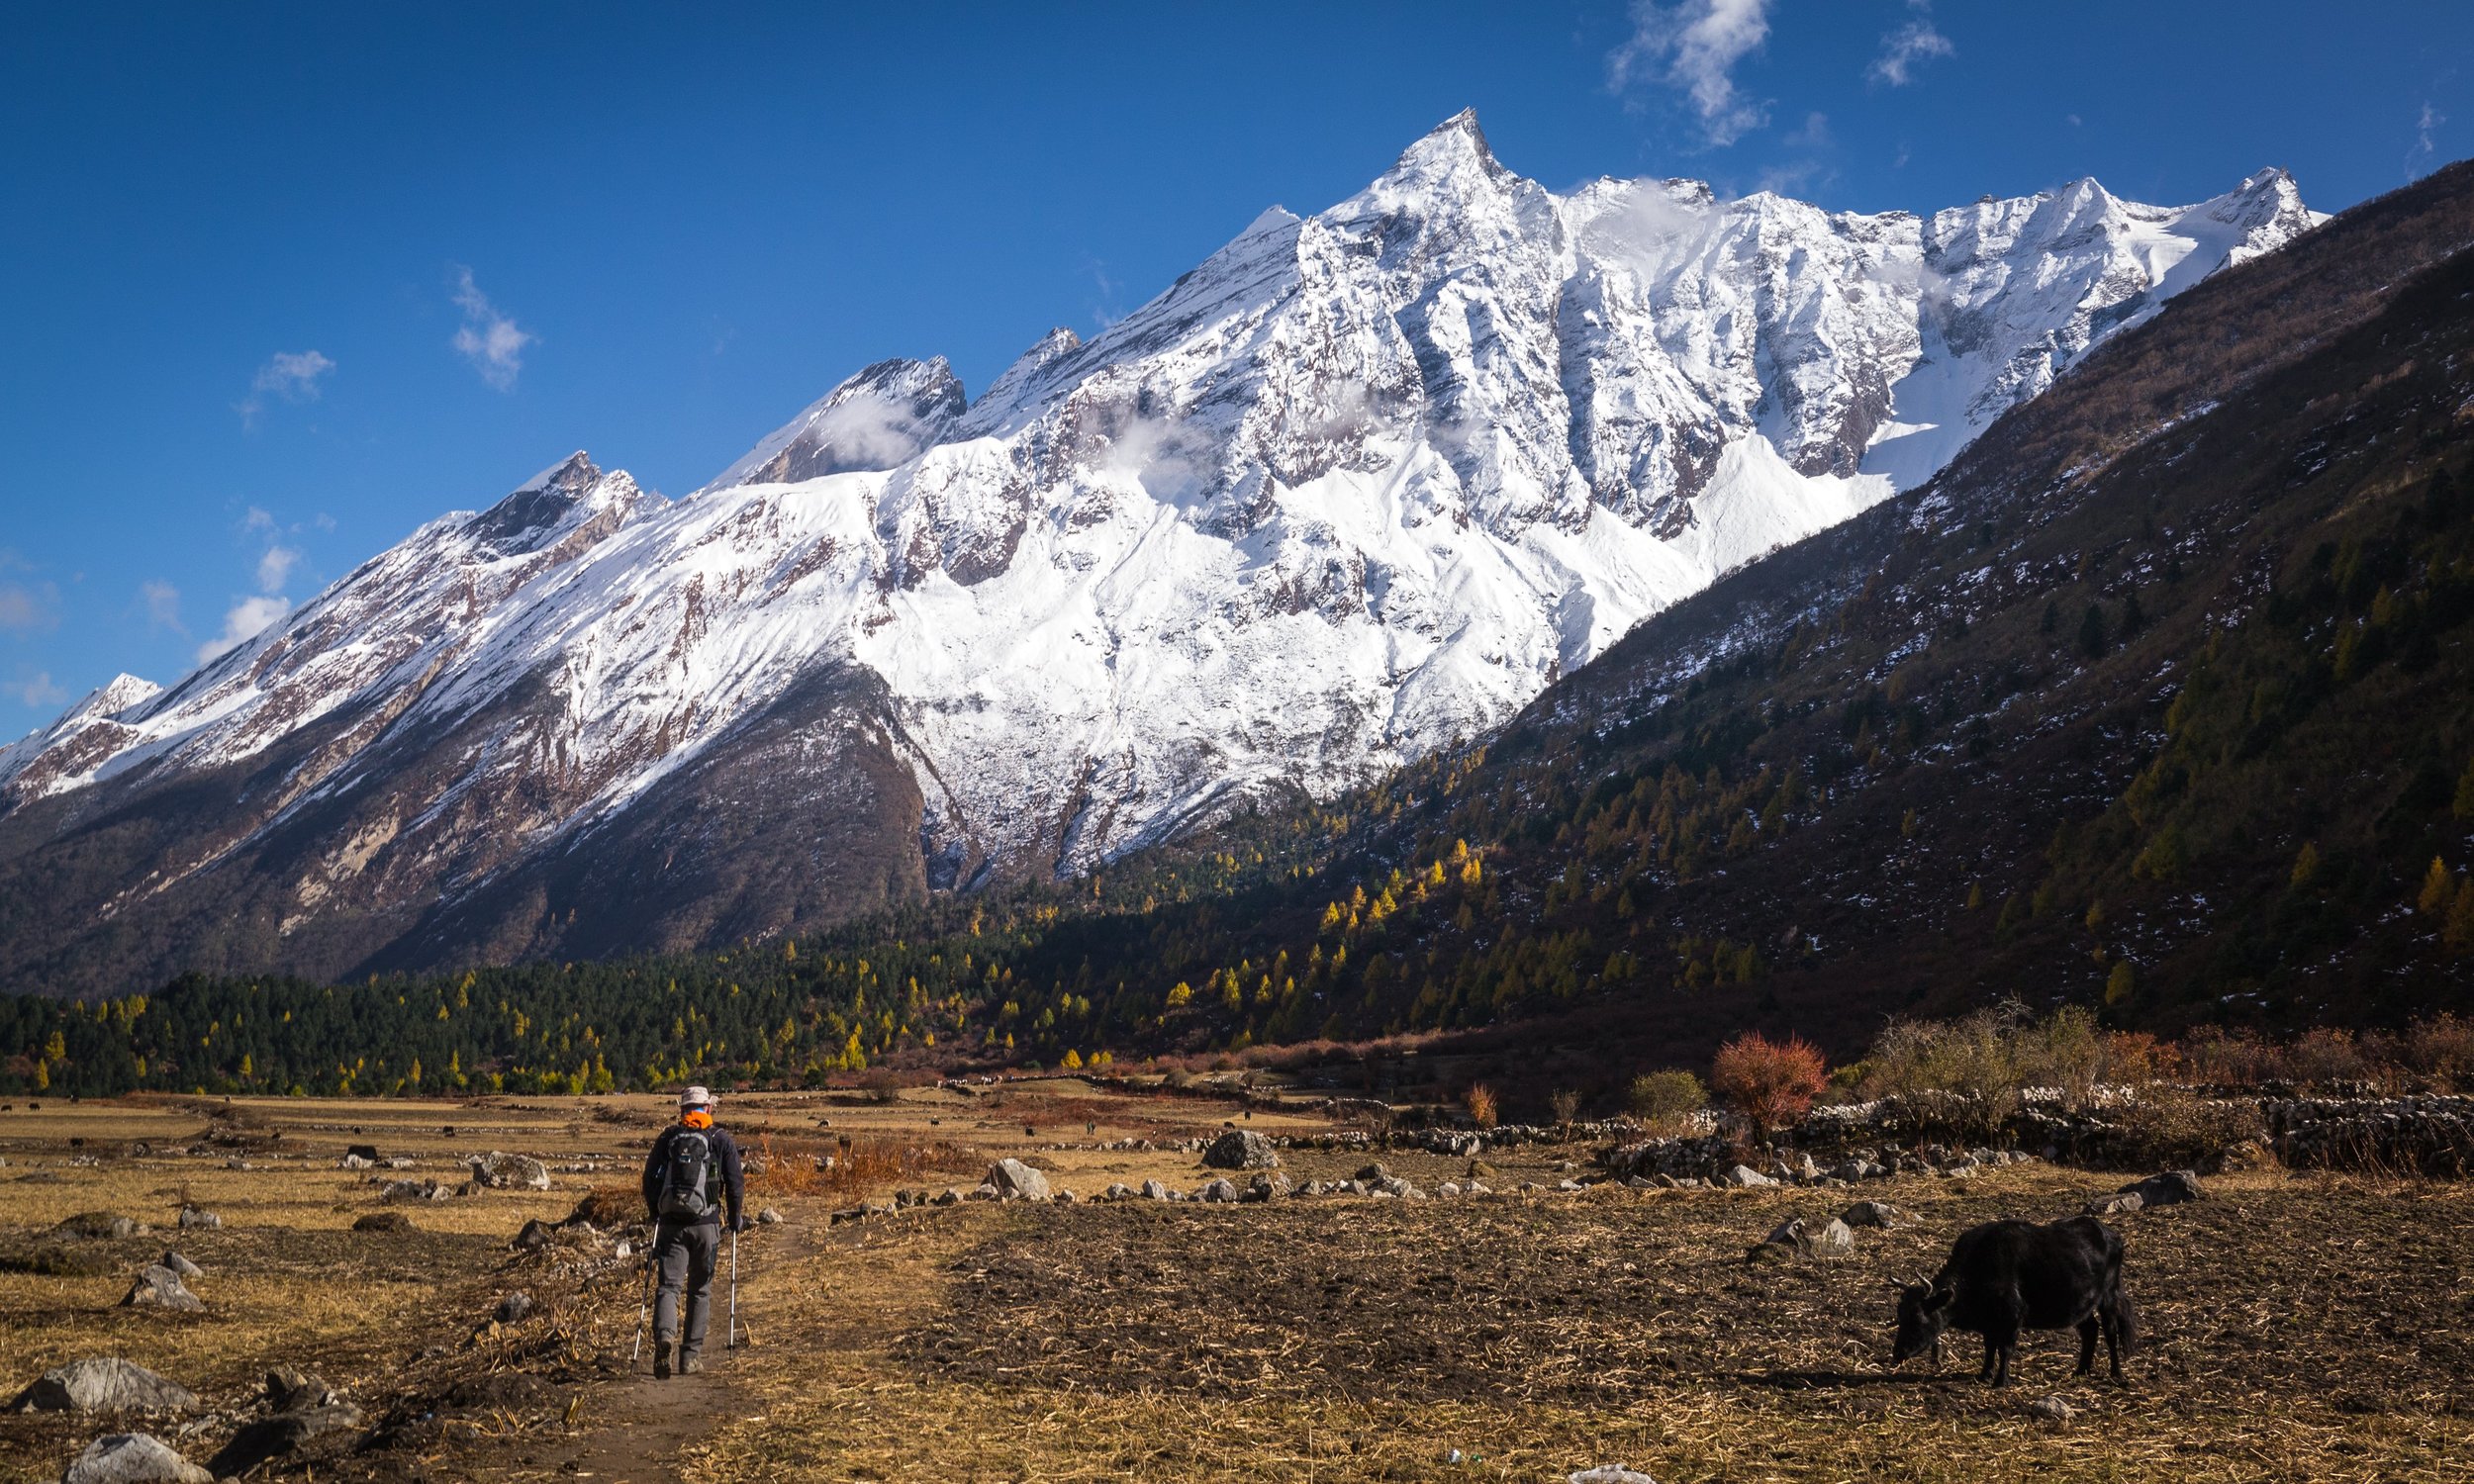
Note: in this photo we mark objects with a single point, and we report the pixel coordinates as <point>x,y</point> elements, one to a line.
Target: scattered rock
<point>104,1383</point>
<point>2052,1408</point>
<point>1746,1176</point>
<point>195,1218</point>
<point>1263,1187</point>
<point>1217,1191</point>
<point>950,1196</point>
<point>1798,1239</point>
<point>356,1162</point>
<point>181,1266</point>
<point>158,1288</point>
<point>771,1218</point>
<point>513,1307</point>
<point>2119,1203</point>
<point>415,1190</point>
<point>304,1407</point>
<point>367,1153</point>
<point>1118,1193</point>
<point>1012,1179</point>
<point>1374,1174</point>
<point>2171,1188</point>
<point>1609,1473</point>
<point>132,1459</point>
<point>500,1171</point>
<point>534,1237</point>
<point>1153,1191</point>
<point>99,1225</point>
<point>1241,1148</point>
<point>1870,1214</point>
<point>289,1390</point>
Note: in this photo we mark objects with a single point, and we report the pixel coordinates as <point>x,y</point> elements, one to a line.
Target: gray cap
<point>695,1097</point>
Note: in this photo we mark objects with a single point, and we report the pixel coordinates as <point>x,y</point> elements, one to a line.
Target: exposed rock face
<point>1360,483</point>
<point>1012,1179</point>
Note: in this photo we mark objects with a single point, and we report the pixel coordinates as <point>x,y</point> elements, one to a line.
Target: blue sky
<point>282,282</point>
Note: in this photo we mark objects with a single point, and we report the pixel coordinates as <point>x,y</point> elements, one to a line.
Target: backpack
<point>688,1182</point>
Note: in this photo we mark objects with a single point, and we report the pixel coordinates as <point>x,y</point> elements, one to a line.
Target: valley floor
<point>2296,1327</point>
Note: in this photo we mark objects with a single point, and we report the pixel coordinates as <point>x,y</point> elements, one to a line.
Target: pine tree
<point>2438,886</point>
<point>2092,632</point>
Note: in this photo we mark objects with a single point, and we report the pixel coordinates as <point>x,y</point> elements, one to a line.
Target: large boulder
<point>1241,1148</point>
<point>158,1288</point>
<point>509,1171</point>
<point>98,1226</point>
<point>132,1459</point>
<point>104,1383</point>
<point>1017,1181</point>
<point>181,1266</point>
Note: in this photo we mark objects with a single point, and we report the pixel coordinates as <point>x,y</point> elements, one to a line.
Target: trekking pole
<point>643,1304</point>
<point>735,1288</point>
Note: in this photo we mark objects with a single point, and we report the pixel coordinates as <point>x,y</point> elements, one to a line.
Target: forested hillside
<point>2160,699</point>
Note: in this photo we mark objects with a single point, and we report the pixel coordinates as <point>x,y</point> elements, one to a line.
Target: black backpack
<point>687,1183</point>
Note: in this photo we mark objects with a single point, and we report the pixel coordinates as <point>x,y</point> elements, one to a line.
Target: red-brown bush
<point>1771,1082</point>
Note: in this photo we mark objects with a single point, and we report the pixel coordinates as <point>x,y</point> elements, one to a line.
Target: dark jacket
<point>726,1150</point>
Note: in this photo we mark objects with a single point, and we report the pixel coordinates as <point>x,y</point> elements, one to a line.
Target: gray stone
<point>1217,1191</point>
<point>192,1219</point>
<point>2119,1203</point>
<point>513,1307</point>
<point>181,1266</point>
<point>158,1288</point>
<point>305,1407</point>
<point>1372,1175</point>
<point>1798,1238</point>
<point>1015,1180</point>
<point>1609,1473</point>
<point>99,1225</point>
<point>769,1217</point>
<point>1746,1176</point>
<point>534,1236</point>
<point>504,1172</point>
<point>104,1383</point>
<point>1153,1191</point>
<point>1870,1214</point>
<point>2052,1408</point>
<point>949,1198</point>
<point>2171,1188</point>
<point>1120,1192</point>
<point>1241,1148</point>
<point>132,1459</point>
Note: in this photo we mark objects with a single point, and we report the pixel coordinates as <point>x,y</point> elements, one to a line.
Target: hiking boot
<point>661,1360</point>
<point>690,1364</point>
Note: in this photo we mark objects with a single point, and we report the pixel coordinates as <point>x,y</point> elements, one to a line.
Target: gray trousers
<point>686,1253</point>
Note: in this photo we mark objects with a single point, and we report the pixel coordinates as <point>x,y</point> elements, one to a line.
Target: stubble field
<point>2297,1326</point>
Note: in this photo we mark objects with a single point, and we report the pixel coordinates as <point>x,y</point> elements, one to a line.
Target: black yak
<point>2006,1276</point>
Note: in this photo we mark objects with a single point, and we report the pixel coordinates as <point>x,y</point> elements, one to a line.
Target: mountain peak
<point>1453,144</point>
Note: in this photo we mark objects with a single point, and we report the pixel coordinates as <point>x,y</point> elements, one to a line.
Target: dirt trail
<point>639,1430</point>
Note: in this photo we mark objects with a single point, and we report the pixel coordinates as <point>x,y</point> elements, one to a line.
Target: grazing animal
<point>2006,1276</point>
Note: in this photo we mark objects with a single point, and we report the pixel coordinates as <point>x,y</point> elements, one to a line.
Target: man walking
<point>691,1176</point>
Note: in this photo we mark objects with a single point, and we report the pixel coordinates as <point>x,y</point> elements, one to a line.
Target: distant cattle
<point>2006,1276</point>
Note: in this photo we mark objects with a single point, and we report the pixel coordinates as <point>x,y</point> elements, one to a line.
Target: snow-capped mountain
<point>1358,484</point>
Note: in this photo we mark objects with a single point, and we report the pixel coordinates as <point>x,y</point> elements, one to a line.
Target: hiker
<point>692,1173</point>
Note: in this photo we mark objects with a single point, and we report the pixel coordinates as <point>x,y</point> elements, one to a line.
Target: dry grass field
<point>2297,1327</point>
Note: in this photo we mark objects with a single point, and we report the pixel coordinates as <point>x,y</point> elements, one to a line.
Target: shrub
<point>879,1084</point>
<point>1566,1103</point>
<point>1662,1098</point>
<point>2170,1125</point>
<point>1771,1082</point>
<point>1480,1103</point>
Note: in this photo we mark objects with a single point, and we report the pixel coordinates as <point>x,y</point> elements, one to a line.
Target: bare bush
<point>1771,1082</point>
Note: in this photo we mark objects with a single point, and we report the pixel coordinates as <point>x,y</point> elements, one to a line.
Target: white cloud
<point>1693,46</point>
<point>162,604</point>
<point>258,521</point>
<point>34,687</point>
<point>293,376</point>
<point>1815,135</point>
<point>1903,49</point>
<point>243,621</point>
<point>2419,159</point>
<point>276,567</point>
<point>489,340</point>
<point>29,608</point>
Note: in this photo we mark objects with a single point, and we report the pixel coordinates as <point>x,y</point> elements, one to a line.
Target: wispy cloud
<point>33,687</point>
<point>489,340</point>
<point>2426,146</point>
<point>293,376</point>
<point>274,568</point>
<point>1910,45</point>
<point>243,621</point>
<point>1693,46</point>
<point>162,605</point>
<point>29,608</point>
